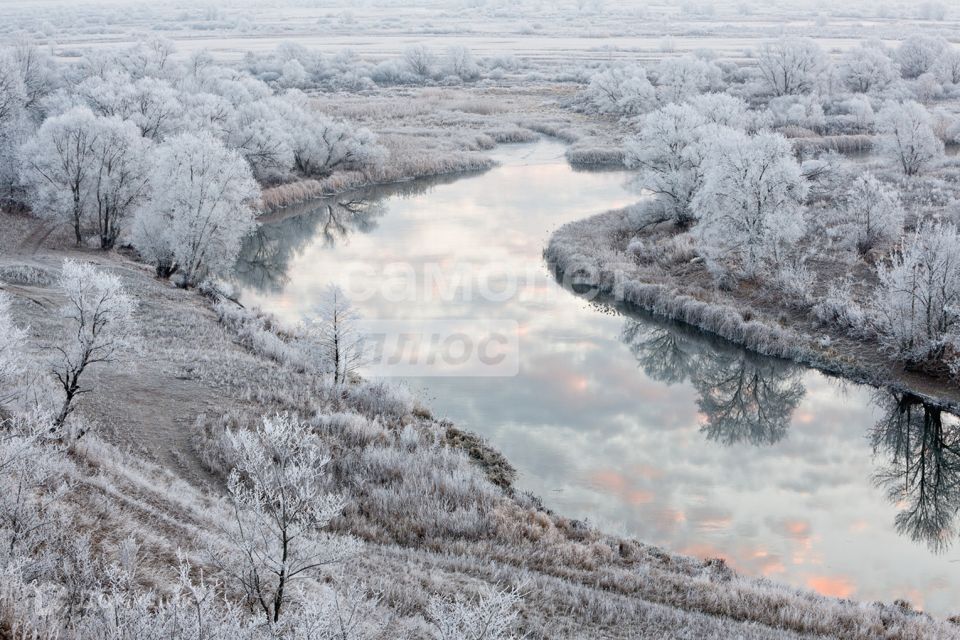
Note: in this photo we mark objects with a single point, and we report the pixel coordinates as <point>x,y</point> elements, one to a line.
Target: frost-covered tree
<point>14,124</point>
<point>38,75</point>
<point>947,66</point>
<point>13,361</point>
<point>872,214</point>
<point>669,153</point>
<point>459,62</point>
<point>57,162</point>
<point>334,336</point>
<point>152,104</point>
<point>624,91</point>
<point>200,209</point>
<point>281,505</point>
<point>686,76</point>
<point>907,136</point>
<point>118,176</point>
<point>917,303</point>
<point>321,145</point>
<point>918,53</point>
<point>790,66</point>
<point>749,206</point>
<point>867,68</point>
<point>98,315</point>
<point>419,60</point>
<point>80,166</point>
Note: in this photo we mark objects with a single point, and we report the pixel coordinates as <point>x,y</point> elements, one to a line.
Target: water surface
<point>642,427</point>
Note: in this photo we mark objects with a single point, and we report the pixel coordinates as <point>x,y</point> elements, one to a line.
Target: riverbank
<point>435,516</point>
<point>593,253</point>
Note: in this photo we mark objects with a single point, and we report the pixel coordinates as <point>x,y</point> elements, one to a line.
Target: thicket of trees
<point>719,156</point>
<point>175,152</point>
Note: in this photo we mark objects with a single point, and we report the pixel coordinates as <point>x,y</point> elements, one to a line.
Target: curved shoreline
<point>581,253</point>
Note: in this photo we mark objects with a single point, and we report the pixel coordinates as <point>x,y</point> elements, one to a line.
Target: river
<point>642,427</point>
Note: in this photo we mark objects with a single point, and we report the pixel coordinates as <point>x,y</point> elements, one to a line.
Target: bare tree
<point>99,319</point>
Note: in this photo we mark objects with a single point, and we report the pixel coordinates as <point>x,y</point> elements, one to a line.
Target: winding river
<point>642,427</point>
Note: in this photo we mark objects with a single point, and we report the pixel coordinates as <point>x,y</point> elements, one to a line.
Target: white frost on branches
<point>281,505</point>
<point>98,315</point>
<point>200,211</point>
<point>750,203</point>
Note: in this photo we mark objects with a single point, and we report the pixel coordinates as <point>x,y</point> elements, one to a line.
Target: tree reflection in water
<point>921,444</point>
<point>744,397</point>
<point>265,257</point>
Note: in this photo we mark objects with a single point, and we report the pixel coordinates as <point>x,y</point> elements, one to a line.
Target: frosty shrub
<point>492,617</point>
<point>13,361</point>
<point>623,91</point>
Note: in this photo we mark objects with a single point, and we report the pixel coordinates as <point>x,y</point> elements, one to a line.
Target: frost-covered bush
<point>686,76</point>
<point>253,332</point>
<point>492,617</point>
<point>798,111</point>
<point>13,360</point>
<point>839,308</point>
<point>622,91</point>
<point>382,398</point>
<point>26,274</point>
